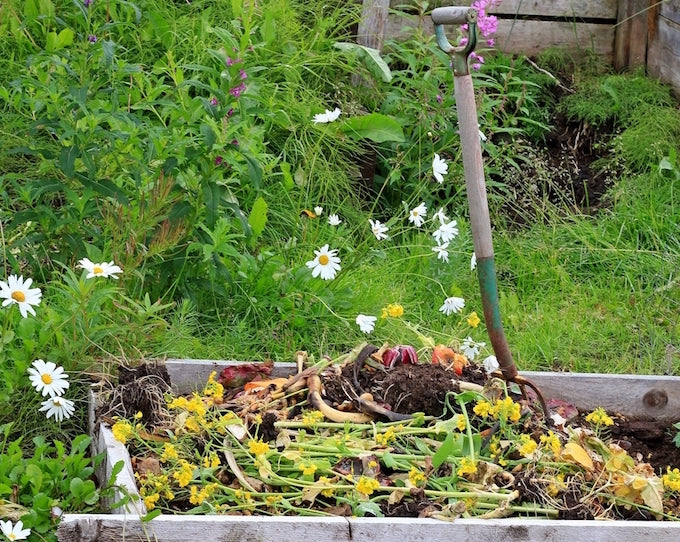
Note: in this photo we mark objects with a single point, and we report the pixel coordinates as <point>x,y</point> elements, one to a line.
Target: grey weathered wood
<point>523,37</point>
<point>113,528</point>
<point>663,57</point>
<point>602,9</point>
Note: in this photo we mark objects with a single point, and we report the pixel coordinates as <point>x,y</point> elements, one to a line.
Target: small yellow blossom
<point>483,409</point>
<point>273,499</point>
<point>527,445</point>
<point>213,388</point>
<point>257,447</point>
<point>324,480</point>
<point>552,441</point>
<point>671,480</point>
<point>184,474</point>
<point>122,431</point>
<point>312,417</point>
<point>473,320</point>
<point>211,461</point>
<point>506,409</point>
<point>151,500</point>
<point>367,485</point>
<point>461,424</point>
<point>169,452</point>
<point>416,477</point>
<point>383,439</point>
<point>192,424</point>
<point>394,310</point>
<point>599,417</point>
<point>467,466</point>
<point>308,468</point>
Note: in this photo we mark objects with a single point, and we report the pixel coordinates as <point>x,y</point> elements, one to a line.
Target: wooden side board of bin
<point>630,395</point>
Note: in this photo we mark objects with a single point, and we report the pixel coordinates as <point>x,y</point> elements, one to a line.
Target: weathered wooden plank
<point>523,37</point>
<point>631,34</point>
<point>663,58</point>
<point>579,9</point>
<point>113,528</point>
<point>670,9</point>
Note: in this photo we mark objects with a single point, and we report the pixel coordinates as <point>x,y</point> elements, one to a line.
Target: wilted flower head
<point>451,305</point>
<point>18,291</point>
<point>334,220</point>
<point>471,348</point>
<point>442,252</point>
<point>378,229</point>
<point>446,232</point>
<point>59,407</point>
<point>366,323</point>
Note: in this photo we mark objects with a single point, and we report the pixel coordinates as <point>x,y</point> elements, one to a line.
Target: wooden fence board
<point>663,58</point>
<point>670,9</point>
<point>524,37</point>
<point>601,9</point>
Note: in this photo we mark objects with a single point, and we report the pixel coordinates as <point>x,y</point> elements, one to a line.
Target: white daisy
<point>378,229</point>
<point>439,168</point>
<point>417,216</point>
<point>451,305</point>
<point>334,220</point>
<point>446,232</point>
<point>14,532</point>
<point>326,264</point>
<point>366,323</point>
<point>473,261</point>
<point>318,210</point>
<point>59,407</point>
<point>15,290</point>
<point>47,378</point>
<point>490,364</point>
<point>442,253</point>
<point>328,116</point>
<point>470,348</point>
<point>103,269</point>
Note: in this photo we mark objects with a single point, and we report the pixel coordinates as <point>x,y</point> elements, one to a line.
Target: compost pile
<point>383,433</point>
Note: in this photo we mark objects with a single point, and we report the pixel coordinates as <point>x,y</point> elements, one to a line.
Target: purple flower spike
<point>92,38</point>
<point>213,101</point>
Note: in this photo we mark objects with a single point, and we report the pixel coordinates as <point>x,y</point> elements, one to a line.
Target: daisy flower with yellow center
<point>14,532</point>
<point>326,264</point>
<point>60,408</point>
<point>47,378</point>
<point>18,291</point>
<point>103,269</point>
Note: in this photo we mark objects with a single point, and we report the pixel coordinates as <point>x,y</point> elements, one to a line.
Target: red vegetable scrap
<point>399,355</point>
<point>236,376</point>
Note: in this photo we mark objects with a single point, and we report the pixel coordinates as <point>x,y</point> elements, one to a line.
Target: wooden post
<point>630,47</point>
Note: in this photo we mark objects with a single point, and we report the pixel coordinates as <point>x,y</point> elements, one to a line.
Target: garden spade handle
<point>480,222</point>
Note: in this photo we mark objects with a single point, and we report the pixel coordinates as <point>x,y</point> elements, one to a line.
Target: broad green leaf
<point>377,127</point>
<point>258,217</point>
<point>370,57</point>
<point>443,451</point>
<point>288,181</point>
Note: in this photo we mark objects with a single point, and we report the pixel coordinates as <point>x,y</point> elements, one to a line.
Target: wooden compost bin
<point>657,396</point>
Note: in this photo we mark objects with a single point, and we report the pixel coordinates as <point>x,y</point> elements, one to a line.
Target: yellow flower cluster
<point>152,487</point>
<point>122,430</point>
<point>169,452</point>
<point>367,485</point>
<point>416,477</point>
<point>194,405</point>
<point>185,473</point>
<point>552,441</point>
<point>312,417</point>
<point>502,409</point>
<point>197,496</point>
<point>211,461</point>
<point>213,389</point>
<point>473,320</point>
<point>671,480</point>
<point>393,310</point>
<point>599,417</point>
<point>526,446</point>
<point>461,424</point>
<point>383,439</point>
<point>257,447</point>
<point>308,468</point>
<point>467,466</point>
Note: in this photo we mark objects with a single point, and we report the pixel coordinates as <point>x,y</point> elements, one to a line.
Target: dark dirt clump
<point>647,440</point>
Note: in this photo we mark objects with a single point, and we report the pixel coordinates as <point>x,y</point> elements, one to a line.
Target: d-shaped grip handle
<point>451,15</point>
